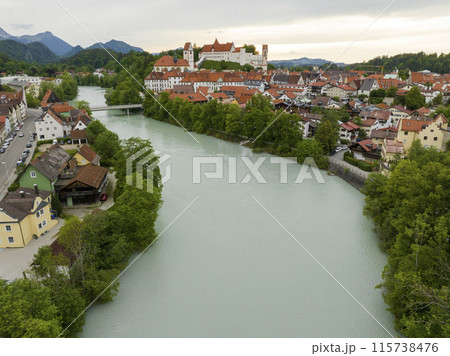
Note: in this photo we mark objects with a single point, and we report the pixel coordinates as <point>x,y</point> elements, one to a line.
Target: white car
<point>338,149</point>
<point>344,148</point>
<point>21,134</point>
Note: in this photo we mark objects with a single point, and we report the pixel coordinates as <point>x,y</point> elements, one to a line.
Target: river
<point>227,268</point>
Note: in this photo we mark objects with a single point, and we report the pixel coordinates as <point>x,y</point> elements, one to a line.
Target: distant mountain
<point>73,51</point>
<point>301,62</point>
<point>116,46</point>
<point>4,35</point>
<point>62,48</point>
<point>31,52</point>
<point>55,44</point>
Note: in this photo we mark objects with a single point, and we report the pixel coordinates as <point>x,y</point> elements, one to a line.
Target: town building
<point>168,63</point>
<point>366,151</point>
<point>25,214</point>
<point>230,53</point>
<point>348,131</point>
<point>44,170</point>
<point>430,133</point>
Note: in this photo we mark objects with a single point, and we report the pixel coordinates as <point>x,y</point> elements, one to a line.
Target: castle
<point>226,52</point>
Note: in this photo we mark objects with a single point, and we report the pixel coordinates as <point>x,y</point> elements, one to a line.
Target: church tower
<point>265,56</point>
<point>188,55</point>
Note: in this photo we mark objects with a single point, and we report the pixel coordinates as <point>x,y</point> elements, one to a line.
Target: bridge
<point>117,107</point>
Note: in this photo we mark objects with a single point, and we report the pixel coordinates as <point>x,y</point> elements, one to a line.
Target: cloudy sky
<point>292,28</point>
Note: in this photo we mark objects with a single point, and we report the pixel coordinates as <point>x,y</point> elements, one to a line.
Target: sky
<point>342,31</point>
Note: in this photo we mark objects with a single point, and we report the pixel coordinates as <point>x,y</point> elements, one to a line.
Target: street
<point>9,159</point>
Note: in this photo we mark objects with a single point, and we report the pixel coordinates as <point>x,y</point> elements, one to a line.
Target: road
<point>9,159</point>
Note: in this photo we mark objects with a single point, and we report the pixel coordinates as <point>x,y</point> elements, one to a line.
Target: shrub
<point>365,166</point>
<point>44,142</point>
<point>13,187</point>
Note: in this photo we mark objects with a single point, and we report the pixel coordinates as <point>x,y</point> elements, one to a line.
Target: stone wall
<point>352,175</point>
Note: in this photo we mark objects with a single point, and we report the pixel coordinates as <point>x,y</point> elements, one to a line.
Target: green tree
<point>327,135</point>
<point>84,105</point>
<point>414,99</point>
<point>27,310</point>
<point>438,100</point>
<point>312,148</point>
<point>410,209</point>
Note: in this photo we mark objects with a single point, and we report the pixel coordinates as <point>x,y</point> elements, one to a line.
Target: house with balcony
<point>348,131</point>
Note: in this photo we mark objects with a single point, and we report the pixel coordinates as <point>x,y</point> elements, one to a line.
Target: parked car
<point>21,134</point>
<point>338,149</point>
<point>332,152</point>
<point>17,128</point>
<point>29,145</point>
<point>2,150</point>
<point>5,145</point>
<point>104,197</point>
<point>69,142</point>
<point>31,139</point>
<point>344,148</point>
<point>19,162</point>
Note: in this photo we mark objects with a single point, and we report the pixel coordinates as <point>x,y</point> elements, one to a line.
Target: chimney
<point>36,189</point>
<point>22,194</point>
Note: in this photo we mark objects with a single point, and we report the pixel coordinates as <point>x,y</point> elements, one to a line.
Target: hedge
<point>365,166</point>
<point>360,164</point>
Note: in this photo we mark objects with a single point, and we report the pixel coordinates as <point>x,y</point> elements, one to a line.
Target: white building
<point>49,126</point>
<point>228,52</point>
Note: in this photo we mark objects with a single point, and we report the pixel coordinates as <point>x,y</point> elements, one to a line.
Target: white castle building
<point>229,52</point>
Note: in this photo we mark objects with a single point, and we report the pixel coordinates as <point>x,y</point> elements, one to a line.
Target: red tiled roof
<point>60,108</point>
<point>218,47</point>
<point>413,125</point>
<point>168,61</point>
<point>367,145</point>
<point>350,126</point>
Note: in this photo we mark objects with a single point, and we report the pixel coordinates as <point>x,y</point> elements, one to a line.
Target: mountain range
<point>301,62</point>
<point>56,46</point>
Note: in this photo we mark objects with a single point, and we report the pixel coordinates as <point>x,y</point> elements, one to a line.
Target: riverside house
<point>45,169</point>
<point>430,133</point>
<point>25,214</point>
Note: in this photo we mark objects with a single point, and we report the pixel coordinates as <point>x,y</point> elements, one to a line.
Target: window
<point>33,174</point>
<point>8,228</point>
<point>435,139</point>
<point>425,137</point>
<point>38,214</point>
<point>44,223</point>
<point>11,240</point>
<point>40,225</point>
<point>42,211</point>
<point>406,133</point>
